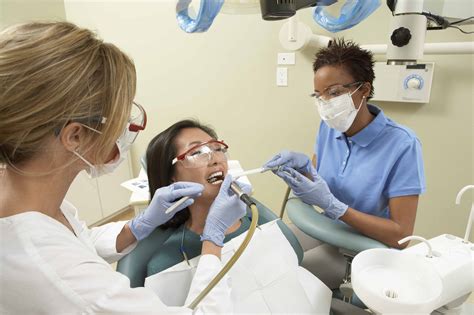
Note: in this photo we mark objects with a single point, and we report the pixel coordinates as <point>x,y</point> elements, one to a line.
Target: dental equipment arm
<point>246,199</point>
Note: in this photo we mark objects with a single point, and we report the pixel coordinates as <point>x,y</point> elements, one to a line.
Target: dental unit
<point>435,276</point>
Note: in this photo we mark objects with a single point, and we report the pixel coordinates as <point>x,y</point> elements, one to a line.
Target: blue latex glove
<point>153,216</point>
<point>314,192</point>
<point>226,209</point>
<point>295,160</point>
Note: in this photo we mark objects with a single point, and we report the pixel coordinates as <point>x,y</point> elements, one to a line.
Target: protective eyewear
<point>136,123</point>
<point>200,155</point>
<point>335,91</point>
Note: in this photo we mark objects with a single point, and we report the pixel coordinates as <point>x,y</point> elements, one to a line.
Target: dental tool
<point>177,204</point>
<point>261,170</point>
<point>254,171</point>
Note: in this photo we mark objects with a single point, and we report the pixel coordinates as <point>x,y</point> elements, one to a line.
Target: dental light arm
<point>246,199</point>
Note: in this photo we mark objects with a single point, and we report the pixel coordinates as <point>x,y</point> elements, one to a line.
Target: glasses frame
<point>348,85</point>
<point>182,156</point>
<point>134,127</point>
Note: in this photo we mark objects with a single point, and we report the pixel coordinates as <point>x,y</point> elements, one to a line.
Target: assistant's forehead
<point>327,76</point>
<point>189,137</point>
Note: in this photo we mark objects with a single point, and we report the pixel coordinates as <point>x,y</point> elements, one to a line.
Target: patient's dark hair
<point>358,62</point>
<point>159,155</point>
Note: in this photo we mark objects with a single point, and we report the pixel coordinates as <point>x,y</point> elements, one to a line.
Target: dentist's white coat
<point>46,269</point>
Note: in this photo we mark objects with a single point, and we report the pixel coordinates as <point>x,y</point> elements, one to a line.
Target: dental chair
<point>349,242</point>
<point>134,265</point>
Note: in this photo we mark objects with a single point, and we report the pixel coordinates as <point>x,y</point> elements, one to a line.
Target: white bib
<point>265,279</point>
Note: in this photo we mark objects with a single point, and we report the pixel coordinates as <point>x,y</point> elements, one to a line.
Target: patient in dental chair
<point>267,278</point>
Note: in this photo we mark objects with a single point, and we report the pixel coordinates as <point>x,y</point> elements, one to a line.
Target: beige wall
<point>14,11</point>
<point>226,77</point>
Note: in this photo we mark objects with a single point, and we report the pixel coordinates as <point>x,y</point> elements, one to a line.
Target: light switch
<point>282,76</point>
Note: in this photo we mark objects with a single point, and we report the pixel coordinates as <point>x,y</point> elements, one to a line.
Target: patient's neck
<point>199,210</point>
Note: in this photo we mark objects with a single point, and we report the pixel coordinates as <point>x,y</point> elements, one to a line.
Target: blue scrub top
<point>380,162</point>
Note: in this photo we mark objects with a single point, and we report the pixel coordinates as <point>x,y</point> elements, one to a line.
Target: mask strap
<point>82,158</point>
<point>363,97</point>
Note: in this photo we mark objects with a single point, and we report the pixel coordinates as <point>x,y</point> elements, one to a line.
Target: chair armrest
<point>320,227</point>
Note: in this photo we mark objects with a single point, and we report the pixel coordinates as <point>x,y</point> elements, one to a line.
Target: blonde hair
<point>54,73</point>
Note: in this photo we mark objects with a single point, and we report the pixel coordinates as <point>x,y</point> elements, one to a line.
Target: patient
<point>190,151</point>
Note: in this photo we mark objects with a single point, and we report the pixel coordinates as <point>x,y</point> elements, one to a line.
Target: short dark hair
<point>358,62</point>
<point>160,154</point>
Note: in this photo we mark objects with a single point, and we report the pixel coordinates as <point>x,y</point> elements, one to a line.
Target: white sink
<point>389,281</point>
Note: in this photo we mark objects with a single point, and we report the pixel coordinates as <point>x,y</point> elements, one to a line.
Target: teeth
<point>216,174</point>
<point>215,178</point>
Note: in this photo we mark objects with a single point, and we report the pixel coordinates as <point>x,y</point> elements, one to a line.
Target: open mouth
<point>216,178</point>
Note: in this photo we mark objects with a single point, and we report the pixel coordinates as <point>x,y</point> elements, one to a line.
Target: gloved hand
<point>314,192</point>
<point>295,160</point>
<point>153,216</point>
<point>226,209</point>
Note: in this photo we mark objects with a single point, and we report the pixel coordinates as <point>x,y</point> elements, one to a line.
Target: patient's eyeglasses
<point>335,91</point>
<point>200,155</point>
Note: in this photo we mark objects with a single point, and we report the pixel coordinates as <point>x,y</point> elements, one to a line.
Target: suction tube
<point>246,199</point>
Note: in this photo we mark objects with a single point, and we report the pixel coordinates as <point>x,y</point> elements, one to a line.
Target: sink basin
<point>390,281</point>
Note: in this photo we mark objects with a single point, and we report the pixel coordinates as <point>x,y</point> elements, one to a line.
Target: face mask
<point>95,171</point>
<point>136,123</point>
<point>339,112</point>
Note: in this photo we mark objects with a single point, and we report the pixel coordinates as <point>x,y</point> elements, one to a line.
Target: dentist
<point>66,105</point>
<point>367,170</point>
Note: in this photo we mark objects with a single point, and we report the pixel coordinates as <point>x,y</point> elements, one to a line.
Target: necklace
<point>181,248</point>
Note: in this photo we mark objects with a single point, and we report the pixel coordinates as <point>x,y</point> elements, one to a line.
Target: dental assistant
<point>368,169</point>
<point>66,105</point>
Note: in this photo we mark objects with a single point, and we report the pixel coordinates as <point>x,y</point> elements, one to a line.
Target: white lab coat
<point>45,269</point>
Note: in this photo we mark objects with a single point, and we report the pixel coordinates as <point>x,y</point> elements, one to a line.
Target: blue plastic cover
<point>207,12</point>
<point>352,13</point>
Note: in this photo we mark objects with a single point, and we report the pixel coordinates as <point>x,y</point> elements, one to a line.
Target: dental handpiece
<point>241,194</point>
<point>176,204</point>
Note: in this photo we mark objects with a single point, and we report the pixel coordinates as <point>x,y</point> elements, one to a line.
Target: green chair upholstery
<point>320,227</point>
<point>134,265</point>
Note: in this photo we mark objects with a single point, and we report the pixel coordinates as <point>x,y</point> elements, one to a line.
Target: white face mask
<point>123,146</point>
<point>339,112</point>
<point>95,171</point>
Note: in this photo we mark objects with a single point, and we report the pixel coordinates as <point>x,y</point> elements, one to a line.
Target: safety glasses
<point>200,155</point>
<point>335,91</point>
<point>136,123</point>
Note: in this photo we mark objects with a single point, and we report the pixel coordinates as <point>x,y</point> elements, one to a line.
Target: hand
<point>226,209</point>
<point>153,216</point>
<point>314,192</point>
<point>295,160</point>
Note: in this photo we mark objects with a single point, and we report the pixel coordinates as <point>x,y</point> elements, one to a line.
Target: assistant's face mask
<point>339,112</point>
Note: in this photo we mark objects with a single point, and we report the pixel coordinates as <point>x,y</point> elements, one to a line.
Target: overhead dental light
<point>282,9</point>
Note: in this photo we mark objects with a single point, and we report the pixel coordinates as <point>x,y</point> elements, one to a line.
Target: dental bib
<point>265,279</point>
